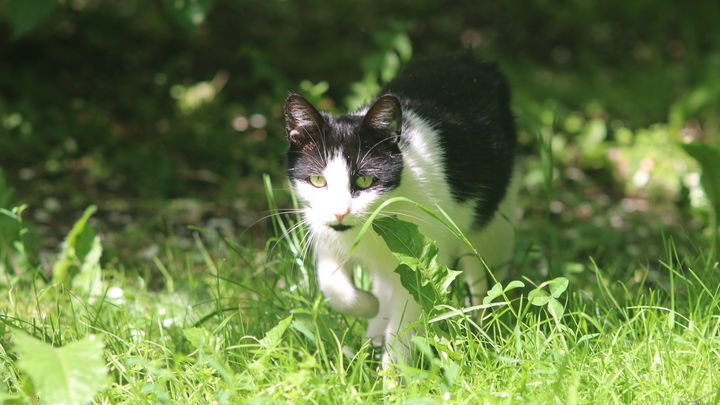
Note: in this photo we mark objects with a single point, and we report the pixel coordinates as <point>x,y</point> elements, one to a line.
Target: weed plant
<point>613,297</point>
<point>234,325</point>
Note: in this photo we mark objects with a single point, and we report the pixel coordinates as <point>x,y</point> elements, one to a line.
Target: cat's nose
<point>340,216</point>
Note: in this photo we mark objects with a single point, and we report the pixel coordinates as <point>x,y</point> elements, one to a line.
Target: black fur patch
<point>465,100</point>
<point>367,152</point>
<point>468,102</point>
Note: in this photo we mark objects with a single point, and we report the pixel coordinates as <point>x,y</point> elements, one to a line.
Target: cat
<point>442,134</point>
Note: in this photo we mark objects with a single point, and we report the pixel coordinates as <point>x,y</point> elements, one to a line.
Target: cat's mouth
<point>340,227</point>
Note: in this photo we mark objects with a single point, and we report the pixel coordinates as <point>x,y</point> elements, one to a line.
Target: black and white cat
<point>441,134</point>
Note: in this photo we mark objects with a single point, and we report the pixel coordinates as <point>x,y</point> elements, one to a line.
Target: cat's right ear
<point>385,117</point>
<point>302,120</point>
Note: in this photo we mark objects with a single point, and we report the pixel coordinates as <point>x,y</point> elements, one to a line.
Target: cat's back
<point>466,102</point>
<point>450,84</point>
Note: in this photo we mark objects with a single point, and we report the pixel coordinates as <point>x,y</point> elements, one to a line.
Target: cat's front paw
<point>363,305</point>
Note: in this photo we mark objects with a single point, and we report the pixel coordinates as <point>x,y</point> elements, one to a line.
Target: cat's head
<point>341,167</point>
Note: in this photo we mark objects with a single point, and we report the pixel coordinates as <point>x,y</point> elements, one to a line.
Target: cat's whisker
<point>358,159</point>
<point>306,242</point>
<point>456,151</point>
<point>318,162</point>
<point>257,221</point>
<point>289,231</point>
<point>277,243</point>
<point>374,146</point>
<point>417,218</point>
<point>279,214</point>
<point>296,226</point>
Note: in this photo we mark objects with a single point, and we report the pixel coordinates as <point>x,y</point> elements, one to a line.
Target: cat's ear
<point>301,120</point>
<point>385,116</point>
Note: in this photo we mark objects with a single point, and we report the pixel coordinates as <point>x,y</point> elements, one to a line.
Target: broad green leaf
<point>77,245</point>
<point>513,285</point>
<point>273,336</point>
<point>709,159</point>
<point>198,337</point>
<point>85,239</point>
<point>268,344</point>
<point>498,290</point>
<point>420,287</point>
<point>538,297</point>
<point>558,286</point>
<point>190,14</point>
<point>62,268</point>
<point>406,242</point>
<point>89,280</point>
<point>493,293</point>
<point>27,14</point>
<point>427,281</point>
<point>556,309</point>
<point>72,374</point>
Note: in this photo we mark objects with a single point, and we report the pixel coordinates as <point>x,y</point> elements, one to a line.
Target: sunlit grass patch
<point>226,332</point>
<point>214,319</point>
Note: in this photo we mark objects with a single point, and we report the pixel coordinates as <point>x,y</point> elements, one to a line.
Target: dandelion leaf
<point>72,374</point>
<point>420,274</point>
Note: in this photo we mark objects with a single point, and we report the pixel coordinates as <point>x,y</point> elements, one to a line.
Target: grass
<point>240,326</point>
<point>616,210</point>
<point>233,324</point>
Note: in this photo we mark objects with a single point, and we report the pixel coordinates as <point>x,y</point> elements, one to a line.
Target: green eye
<point>318,181</point>
<point>364,181</point>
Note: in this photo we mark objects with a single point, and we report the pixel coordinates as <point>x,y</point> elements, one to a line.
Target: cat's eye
<point>318,181</point>
<point>364,182</point>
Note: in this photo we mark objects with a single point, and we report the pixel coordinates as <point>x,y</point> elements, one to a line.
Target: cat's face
<point>342,167</point>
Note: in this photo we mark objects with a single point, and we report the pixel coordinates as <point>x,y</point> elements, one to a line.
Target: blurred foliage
<point>393,49</point>
<point>25,15</point>
<point>709,159</point>
<point>129,103</point>
<point>79,261</point>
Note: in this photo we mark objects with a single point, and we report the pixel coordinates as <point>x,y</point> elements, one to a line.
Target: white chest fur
<point>390,307</point>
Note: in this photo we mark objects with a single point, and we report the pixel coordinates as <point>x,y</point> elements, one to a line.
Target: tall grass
<point>244,327</point>
<point>236,325</point>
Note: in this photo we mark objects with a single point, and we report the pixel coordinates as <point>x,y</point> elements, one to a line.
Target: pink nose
<point>340,216</point>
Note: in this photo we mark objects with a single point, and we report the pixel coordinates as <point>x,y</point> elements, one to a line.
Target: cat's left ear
<point>303,122</point>
<point>385,116</point>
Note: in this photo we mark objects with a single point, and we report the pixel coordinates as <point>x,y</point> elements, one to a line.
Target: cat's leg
<point>378,325</point>
<point>336,283</point>
<point>398,310</point>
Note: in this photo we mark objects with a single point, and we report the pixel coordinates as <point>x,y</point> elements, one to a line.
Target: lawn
<point>146,253</point>
<point>236,324</point>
